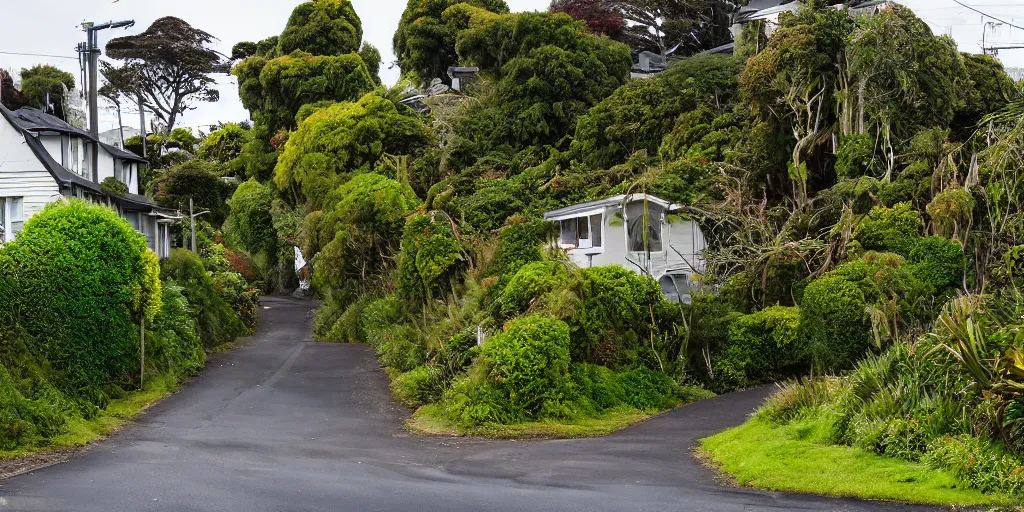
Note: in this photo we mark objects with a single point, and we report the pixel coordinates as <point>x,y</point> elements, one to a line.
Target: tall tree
<point>601,16</point>
<point>43,85</point>
<point>167,68</point>
<point>681,27</point>
<point>425,42</point>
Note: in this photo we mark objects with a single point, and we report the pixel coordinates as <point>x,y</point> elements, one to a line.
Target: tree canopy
<point>425,40</point>
<point>43,82</point>
<point>167,67</point>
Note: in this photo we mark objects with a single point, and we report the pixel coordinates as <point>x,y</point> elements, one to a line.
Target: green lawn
<point>786,458</point>
<point>429,420</point>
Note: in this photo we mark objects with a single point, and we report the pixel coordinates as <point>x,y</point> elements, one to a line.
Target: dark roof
<point>58,171</point>
<point>122,154</point>
<point>35,120</point>
<point>137,202</point>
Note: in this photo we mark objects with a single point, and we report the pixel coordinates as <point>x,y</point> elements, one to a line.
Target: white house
<point>43,159</point>
<point>611,231</point>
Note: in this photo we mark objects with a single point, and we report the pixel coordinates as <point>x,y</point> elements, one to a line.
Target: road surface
<point>285,424</point>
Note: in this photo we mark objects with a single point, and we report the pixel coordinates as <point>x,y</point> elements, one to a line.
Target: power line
<point>39,55</point>
<point>988,15</point>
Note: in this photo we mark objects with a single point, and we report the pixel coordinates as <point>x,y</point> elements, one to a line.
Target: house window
<point>74,155</point>
<point>581,232</point>
<point>12,217</point>
<point>675,287</point>
<point>645,233</point>
<point>123,172</point>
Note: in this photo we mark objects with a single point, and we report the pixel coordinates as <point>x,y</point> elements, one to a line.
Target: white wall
<point>22,174</point>
<point>682,245</point>
<point>106,166</point>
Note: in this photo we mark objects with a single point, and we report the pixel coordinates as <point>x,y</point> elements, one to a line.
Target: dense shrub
<point>765,345</point>
<point>951,211</point>
<point>430,258</point>
<point>596,387</point>
<point>382,313</point>
<point>173,346</point>
<point>647,389</point>
<point>249,225</point>
<point>938,262</point>
<point>418,386</point>
<point>617,309</point>
<point>893,229</point>
<point>519,243</point>
<point>528,365</point>
<point>84,279</point>
<point>833,323</point>
<point>532,282</point>
<point>217,321</point>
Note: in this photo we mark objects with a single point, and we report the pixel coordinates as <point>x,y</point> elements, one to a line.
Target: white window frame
<point>594,221</point>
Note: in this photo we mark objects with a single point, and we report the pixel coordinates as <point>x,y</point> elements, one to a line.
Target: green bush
<point>977,461</point>
<point>519,243</point>
<point>418,386</point>
<point>531,282</point>
<point>429,259</point>
<point>395,347</point>
<point>597,387</point>
<point>528,364</point>
<point>765,345</point>
<point>382,313</point>
<point>893,229</point>
<point>618,308</point>
<point>348,326</point>
<point>856,156</point>
<point>647,389</point>
<point>84,278</point>
<point>217,322</point>
<point>833,323</point>
<point>951,211</point>
<point>173,346</point>
<point>938,262</point>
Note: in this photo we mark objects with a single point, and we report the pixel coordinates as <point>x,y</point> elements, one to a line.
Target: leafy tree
<point>548,70</point>
<point>167,68</point>
<point>224,144</point>
<point>601,17</point>
<point>249,225</point>
<point>638,115</point>
<point>425,41</point>
<point>198,180</point>
<point>986,89</point>
<point>322,27</point>
<point>344,139</point>
<point>684,27</point>
<point>355,238</point>
<point>41,80</point>
<point>793,82</point>
<point>274,90</point>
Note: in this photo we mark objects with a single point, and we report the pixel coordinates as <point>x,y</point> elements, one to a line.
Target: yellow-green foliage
<point>339,141</point>
<point>322,27</point>
<point>893,229</point>
<point>765,345</point>
<point>531,283</point>
<point>951,211</point>
<point>358,234</point>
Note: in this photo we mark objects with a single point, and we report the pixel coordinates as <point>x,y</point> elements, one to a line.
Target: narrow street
<point>285,424</point>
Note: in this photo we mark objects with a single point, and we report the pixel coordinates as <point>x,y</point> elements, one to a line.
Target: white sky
<point>52,27</point>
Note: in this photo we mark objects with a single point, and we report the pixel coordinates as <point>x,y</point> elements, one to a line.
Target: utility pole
<point>142,126</point>
<point>92,53</point>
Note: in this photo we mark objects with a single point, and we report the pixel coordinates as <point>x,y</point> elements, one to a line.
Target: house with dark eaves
<point>43,159</point>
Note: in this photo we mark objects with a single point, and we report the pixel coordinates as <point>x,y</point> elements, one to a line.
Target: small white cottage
<point>43,159</point>
<point>641,232</point>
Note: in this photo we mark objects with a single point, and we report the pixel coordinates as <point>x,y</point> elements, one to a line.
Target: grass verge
<point>430,420</point>
<point>786,458</point>
<point>78,432</point>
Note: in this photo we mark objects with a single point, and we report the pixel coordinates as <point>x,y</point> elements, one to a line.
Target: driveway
<point>285,424</point>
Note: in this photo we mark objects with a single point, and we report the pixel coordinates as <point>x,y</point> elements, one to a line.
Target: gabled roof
<point>58,171</point>
<point>586,208</point>
<point>35,120</point>
<point>135,202</point>
<point>122,154</point>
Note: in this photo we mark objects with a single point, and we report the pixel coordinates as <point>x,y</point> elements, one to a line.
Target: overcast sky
<point>52,27</point>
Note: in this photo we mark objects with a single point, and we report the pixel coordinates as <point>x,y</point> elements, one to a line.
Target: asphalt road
<point>285,424</point>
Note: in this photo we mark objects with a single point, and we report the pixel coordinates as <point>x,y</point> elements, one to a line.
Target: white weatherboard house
<point>43,159</point>
<point>611,231</point>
